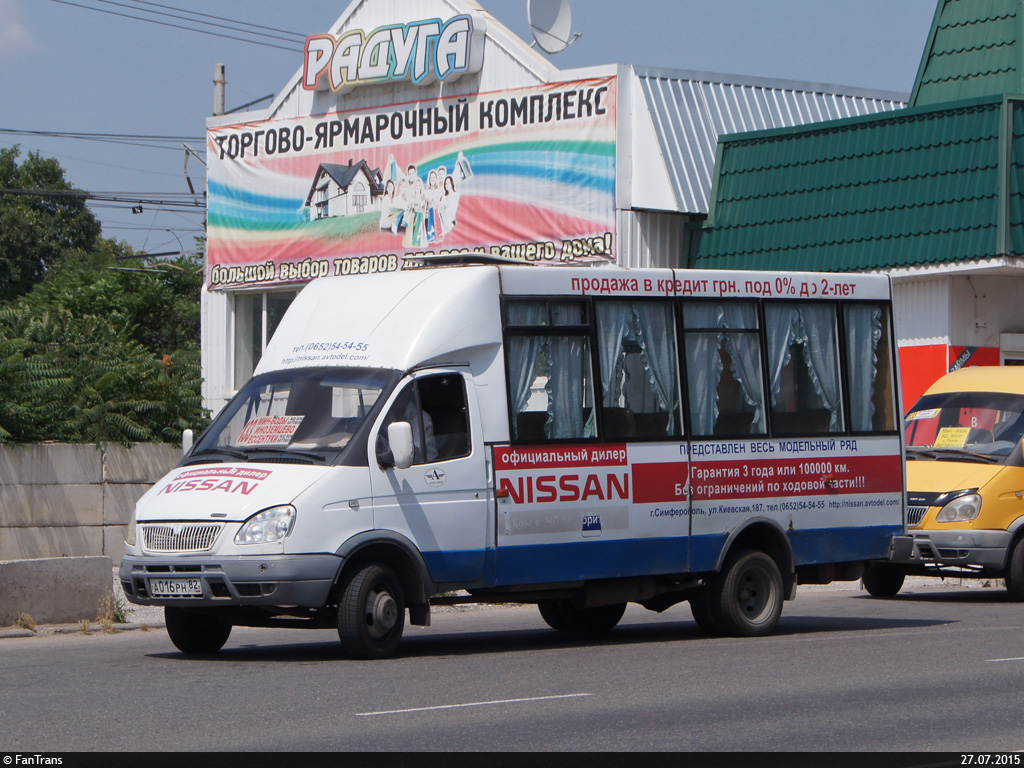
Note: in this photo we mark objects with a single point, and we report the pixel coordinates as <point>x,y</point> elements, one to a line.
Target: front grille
<point>915,515</point>
<point>180,537</point>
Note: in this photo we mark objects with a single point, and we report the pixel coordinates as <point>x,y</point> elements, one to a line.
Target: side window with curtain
<point>869,368</point>
<point>551,384</point>
<point>638,368</point>
<point>803,368</point>
<point>723,369</point>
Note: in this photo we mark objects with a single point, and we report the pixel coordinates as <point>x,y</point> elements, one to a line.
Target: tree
<point>97,344</point>
<point>75,378</point>
<point>38,231</point>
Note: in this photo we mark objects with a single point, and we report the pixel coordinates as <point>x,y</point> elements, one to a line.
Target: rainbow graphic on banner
<point>528,174</point>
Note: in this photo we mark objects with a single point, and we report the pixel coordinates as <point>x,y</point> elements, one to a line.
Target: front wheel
<point>566,617</point>
<point>193,632</point>
<point>883,580</point>
<point>746,597</point>
<point>1015,572</point>
<point>371,613</point>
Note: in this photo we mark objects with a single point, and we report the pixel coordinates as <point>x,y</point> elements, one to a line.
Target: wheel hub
<point>383,614</point>
<point>752,595</point>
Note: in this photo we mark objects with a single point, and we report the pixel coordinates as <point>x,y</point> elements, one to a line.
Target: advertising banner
<point>526,174</point>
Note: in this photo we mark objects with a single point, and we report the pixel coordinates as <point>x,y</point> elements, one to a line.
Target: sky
<point>84,67</point>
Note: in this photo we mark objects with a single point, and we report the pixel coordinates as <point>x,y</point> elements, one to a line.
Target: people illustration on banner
<point>421,210</point>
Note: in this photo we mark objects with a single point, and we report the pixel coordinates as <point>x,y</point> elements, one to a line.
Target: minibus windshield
<point>965,426</point>
<point>303,415</point>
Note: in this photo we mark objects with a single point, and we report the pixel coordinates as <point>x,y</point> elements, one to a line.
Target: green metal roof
<point>936,183</point>
<point>918,186</point>
<point>974,49</point>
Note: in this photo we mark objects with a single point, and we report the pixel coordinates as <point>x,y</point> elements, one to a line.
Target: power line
<point>233,23</point>
<point>298,35</point>
<point>178,26</point>
<point>100,198</point>
<point>128,140</point>
<point>83,135</point>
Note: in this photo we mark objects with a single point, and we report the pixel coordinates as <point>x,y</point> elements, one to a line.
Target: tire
<point>563,616</point>
<point>371,613</point>
<point>1015,572</point>
<point>746,597</point>
<point>881,580</point>
<point>195,633</point>
<point>700,607</point>
<point>551,612</point>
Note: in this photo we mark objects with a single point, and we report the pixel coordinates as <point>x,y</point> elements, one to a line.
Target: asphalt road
<point>936,669</point>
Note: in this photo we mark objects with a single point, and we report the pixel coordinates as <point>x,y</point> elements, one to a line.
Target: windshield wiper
<point>284,452</point>
<point>948,454</point>
<point>234,454</point>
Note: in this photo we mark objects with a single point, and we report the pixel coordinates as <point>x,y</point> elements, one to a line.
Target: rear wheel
<point>551,612</point>
<point>700,607</point>
<point>193,632</point>
<point>882,580</point>
<point>1015,572</point>
<point>746,597</point>
<point>566,617</point>
<point>371,613</point>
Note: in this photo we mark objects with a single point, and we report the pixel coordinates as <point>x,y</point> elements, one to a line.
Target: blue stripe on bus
<point>617,558</point>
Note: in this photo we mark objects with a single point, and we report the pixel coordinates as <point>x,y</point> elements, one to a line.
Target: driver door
<point>441,501</point>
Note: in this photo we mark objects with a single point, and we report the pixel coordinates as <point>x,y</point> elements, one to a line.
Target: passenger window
<point>435,407</point>
<point>869,368</point>
<point>550,379</point>
<point>723,363</point>
<point>803,369</point>
<point>639,375</point>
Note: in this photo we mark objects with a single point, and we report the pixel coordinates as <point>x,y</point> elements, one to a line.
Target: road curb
<point>75,629</point>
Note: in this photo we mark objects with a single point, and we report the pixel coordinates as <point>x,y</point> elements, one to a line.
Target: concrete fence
<point>62,500</point>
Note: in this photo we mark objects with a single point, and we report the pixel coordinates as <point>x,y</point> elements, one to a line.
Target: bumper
<point>302,580</point>
<point>959,548</point>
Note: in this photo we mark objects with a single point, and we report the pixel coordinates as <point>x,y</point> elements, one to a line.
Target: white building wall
<point>984,307</point>
<point>922,309</point>
<point>651,239</point>
<point>217,346</point>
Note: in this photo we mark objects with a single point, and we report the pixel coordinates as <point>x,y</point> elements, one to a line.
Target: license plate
<point>175,588</point>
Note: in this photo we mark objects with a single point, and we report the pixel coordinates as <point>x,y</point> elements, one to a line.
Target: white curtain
<point>813,327</point>
<point>703,364</point>
<point>745,352</point>
<point>524,352</point>
<point>568,360</point>
<point>863,332</point>
<point>655,333</point>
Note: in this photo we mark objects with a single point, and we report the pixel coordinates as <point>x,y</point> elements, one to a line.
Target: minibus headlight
<point>268,526</point>
<point>129,535</point>
<point>960,509</point>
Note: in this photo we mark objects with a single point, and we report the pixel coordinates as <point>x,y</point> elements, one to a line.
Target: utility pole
<point>219,81</point>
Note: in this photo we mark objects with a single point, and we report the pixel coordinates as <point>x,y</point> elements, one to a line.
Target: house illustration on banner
<point>343,190</point>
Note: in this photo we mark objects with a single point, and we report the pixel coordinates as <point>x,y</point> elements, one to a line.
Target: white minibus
<point>575,438</point>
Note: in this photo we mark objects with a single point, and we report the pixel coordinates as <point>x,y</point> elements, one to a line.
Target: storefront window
<point>257,316</point>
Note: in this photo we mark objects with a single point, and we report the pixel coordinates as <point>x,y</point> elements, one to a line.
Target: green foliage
<point>101,345</point>
<point>36,232</point>
<point>155,304</point>
<point>78,379</point>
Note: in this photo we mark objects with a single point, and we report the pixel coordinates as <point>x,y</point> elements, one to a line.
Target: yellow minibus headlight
<point>961,509</point>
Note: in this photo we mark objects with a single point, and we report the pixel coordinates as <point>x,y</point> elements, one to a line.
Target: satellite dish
<point>551,24</point>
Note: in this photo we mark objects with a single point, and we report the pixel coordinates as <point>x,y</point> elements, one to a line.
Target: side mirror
<point>187,436</point>
<point>400,440</point>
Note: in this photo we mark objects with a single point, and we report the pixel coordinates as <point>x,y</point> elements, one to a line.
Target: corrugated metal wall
<point>649,239</point>
<point>922,308</point>
<point>691,110</point>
